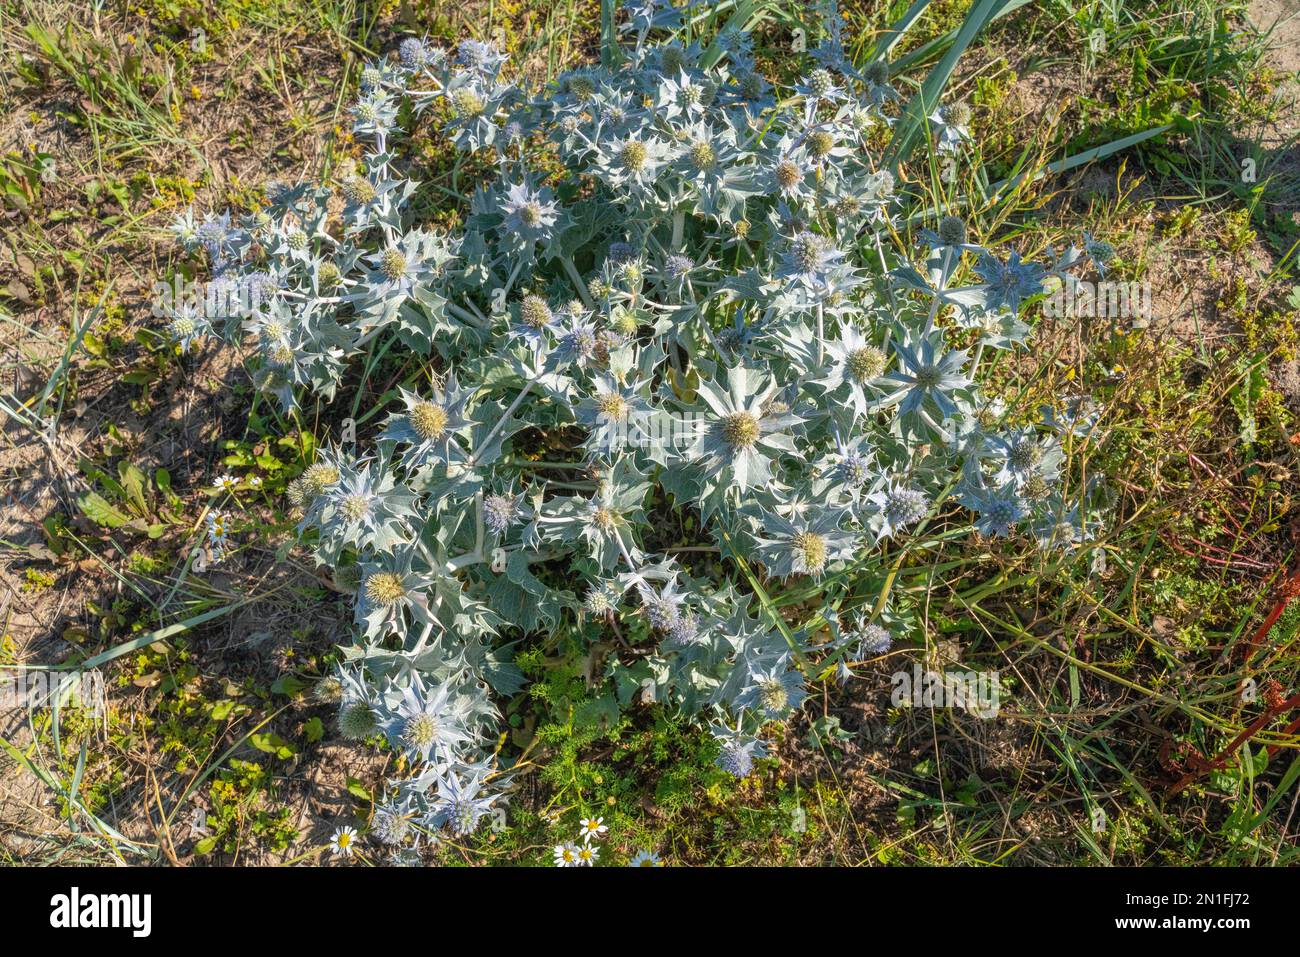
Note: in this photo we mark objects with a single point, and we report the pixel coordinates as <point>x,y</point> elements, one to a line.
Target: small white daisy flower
<point>225,483</point>
<point>645,859</point>
<point>254,481</point>
<point>342,841</point>
<point>566,854</point>
<point>218,539</point>
<point>588,855</point>
<point>592,828</point>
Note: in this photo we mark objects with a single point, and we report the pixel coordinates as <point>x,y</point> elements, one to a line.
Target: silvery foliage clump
<point>713,298</point>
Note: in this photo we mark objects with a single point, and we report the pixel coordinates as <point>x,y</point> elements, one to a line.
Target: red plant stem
<point>1287,589</point>
<point>1238,562</point>
<point>1221,760</point>
<point>1291,728</point>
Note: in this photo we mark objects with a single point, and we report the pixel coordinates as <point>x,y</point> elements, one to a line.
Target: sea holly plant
<point>711,303</point>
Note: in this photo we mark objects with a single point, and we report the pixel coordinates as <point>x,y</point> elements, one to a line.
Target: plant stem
<point>487,442</point>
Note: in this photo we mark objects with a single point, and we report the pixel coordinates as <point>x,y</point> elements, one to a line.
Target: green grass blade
<point>911,127</point>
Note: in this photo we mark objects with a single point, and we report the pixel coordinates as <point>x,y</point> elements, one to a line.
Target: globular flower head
<point>426,724</point>
<point>463,800</point>
<point>807,543</point>
<point>898,507</point>
<point>952,230</point>
<point>737,751</point>
<point>1010,283</point>
<point>428,427</point>
<point>393,823</point>
<point>416,54</point>
<point>773,691</point>
<point>356,719</point>
<point>529,215</point>
<point>743,429</point>
<point>536,324</point>
<point>873,640</point>
<point>500,512</point>
<point>928,380</point>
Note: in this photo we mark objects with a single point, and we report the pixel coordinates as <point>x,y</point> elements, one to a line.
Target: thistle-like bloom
<point>774,690</point>
<point>396,583</point>
<point>364,507</point>
<point>472,104</point>
<point>185,230</point>
<point>217,238</point>
<point>876,75</point>
<point>857,361</point>
<point>1060,527</point>
<point>853,201</point>
<point>805,544</point>
<point>607,520</point>
<point>370,199</point>
<point>998,509</point>
<point>743,427</point>
<point>395,270</point>
<point>393,823</point>
<point>529,215</point>
<point>631,163</point>
<point>825,145</point>
<point>462,800</point>
<point>503,510</point>
<point>536,324</point>
<point>810,258</point>
<point>849,473</point>
<point>677,267</point>
<point>482,58</point>
<point>187,324</point>
<point>356,719</point>
<point>821,86</point>
<point>576,344</point>
<point>1027,459</point>
<point>787,174</point>
<point>702,152</point>
<point>602,598</point>
<point>873,640</point>
<point>1099,251</point>
<point>737,751</point>
<point>428,427</point>
<point>897,507</point>
<point>951,126</point>
<point>927,379</point>
<point>1009,283</point>
<point>615,412</point>
<point>375,114</point>
<point>426,723</point>
<point>669,614</point>
<point>605,526</point>
<point>416,54</point>
<point>680,97</point>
